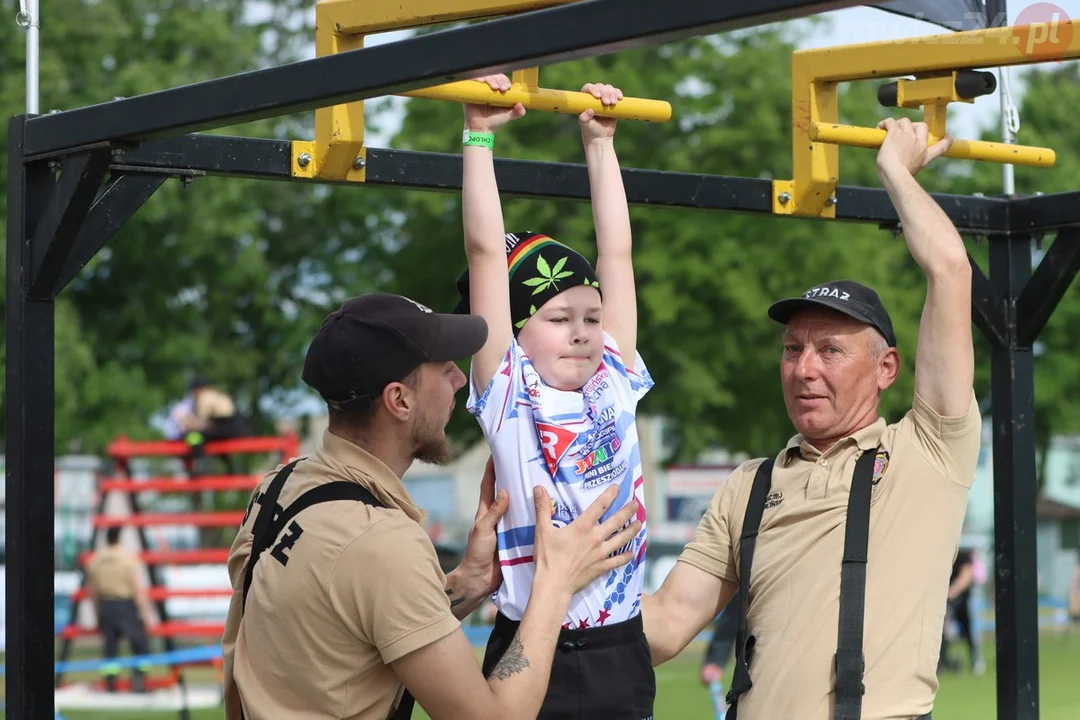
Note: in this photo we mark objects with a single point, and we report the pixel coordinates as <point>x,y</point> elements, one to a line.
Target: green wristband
<point>482,139</point>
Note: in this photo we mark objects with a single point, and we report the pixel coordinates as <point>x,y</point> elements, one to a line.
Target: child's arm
<point>611,218</point>
<point>485,242</point>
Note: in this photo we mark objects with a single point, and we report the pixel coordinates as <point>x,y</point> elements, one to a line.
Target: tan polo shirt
<point>112,573</point>
<point>361,587</point>
<point>213,403</point>
<point>916,515</point>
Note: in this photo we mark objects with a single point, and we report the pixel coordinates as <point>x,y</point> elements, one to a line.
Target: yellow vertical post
<point>816,165</point>
<point>934,114</point>
<point>338,149</point>
<point>529,77</point>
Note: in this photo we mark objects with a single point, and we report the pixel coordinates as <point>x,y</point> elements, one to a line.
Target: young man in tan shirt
<point>348,607</point>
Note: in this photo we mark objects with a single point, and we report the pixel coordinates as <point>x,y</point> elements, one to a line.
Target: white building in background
<point>1058,510</point>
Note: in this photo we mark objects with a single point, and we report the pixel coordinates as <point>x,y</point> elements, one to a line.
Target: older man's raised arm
<point>944,359</point>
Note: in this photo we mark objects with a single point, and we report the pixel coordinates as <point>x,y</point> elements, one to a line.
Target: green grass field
<point>962,697</point>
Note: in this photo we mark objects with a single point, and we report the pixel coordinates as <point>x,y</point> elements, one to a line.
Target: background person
<point>115,585</point>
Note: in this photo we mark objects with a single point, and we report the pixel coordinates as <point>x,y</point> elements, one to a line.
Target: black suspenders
<point>849,646</point>
<point>744,646</point>
<point>269,525</point>
<point>850,664</point>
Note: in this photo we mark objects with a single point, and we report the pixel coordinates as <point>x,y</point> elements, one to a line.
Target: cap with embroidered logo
<point>379,338</point>
<point>845,296</point>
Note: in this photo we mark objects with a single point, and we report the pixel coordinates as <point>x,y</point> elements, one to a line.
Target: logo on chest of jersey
<point>597,384</point>
<point>775,498</point>
<point>532,381</point>
<point>554,441</point>
<point>561,514</point>
<point>599,456</point>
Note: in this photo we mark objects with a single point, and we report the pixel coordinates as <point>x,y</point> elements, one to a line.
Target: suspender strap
<point>272,520</point>
<point>260,532</point>
<point>329,492</point>
<point>744,645</point>
<point>849,645</point>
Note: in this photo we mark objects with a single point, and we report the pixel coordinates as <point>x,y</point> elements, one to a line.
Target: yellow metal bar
<point>559,101</point>
<point>996,47</point>
<point>934,61</point>
<point>816,166</point>
<point>372,16</point>
<point>915,93</point>
<point>529,77</point>
<point>338,153</point>
<point>872,138</point>
<point>934,115</point>
<point>339,129</point>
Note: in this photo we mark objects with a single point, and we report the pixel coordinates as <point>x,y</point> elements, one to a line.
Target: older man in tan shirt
<point>838,356</point>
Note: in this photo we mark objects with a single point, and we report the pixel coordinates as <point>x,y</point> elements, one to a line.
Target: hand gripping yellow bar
<point>940,66</point>
<point>933,94</point>
<point>872,138</point>
<point>338,151</point>
<point>557,101</point>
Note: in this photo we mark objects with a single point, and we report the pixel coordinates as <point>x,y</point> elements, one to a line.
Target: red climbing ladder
<point>278,449</point>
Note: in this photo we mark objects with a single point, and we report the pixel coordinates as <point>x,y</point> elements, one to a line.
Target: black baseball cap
<point>376,339</point>
<point>845,296</point>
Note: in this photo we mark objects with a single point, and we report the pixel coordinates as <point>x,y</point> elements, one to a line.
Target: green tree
<point>226,277</point>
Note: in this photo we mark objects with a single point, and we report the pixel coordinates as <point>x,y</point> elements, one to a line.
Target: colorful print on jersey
<point>575,444</point>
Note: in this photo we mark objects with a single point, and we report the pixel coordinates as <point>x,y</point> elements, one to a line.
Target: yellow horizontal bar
<point>346,17</point>
<point>995,47</point>
<point>558,101</point>
<point>961,149</point>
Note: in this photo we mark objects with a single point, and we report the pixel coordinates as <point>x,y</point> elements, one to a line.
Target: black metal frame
<point>57,224</point>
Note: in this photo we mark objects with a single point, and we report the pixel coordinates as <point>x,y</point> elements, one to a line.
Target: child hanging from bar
<point>555,390</point>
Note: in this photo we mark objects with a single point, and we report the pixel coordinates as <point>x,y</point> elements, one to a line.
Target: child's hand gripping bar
<point>543,99</point>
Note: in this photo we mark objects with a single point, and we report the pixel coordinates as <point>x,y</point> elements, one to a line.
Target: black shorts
<point>601,672</point>
<point>225,428</point>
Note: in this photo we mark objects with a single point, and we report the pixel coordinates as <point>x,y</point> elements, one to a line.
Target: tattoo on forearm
<point>455,601</point>
<point>512,662</point>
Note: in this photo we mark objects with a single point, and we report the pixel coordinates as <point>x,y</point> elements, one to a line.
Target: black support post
<point>29,447</point>
<point>540,37</point>
<point>115,204</point>
<point>1048,285</point>
<point>1044,213</point>
<point>1012,374</point>
<point>986,310</point>
<point>68,206</point>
